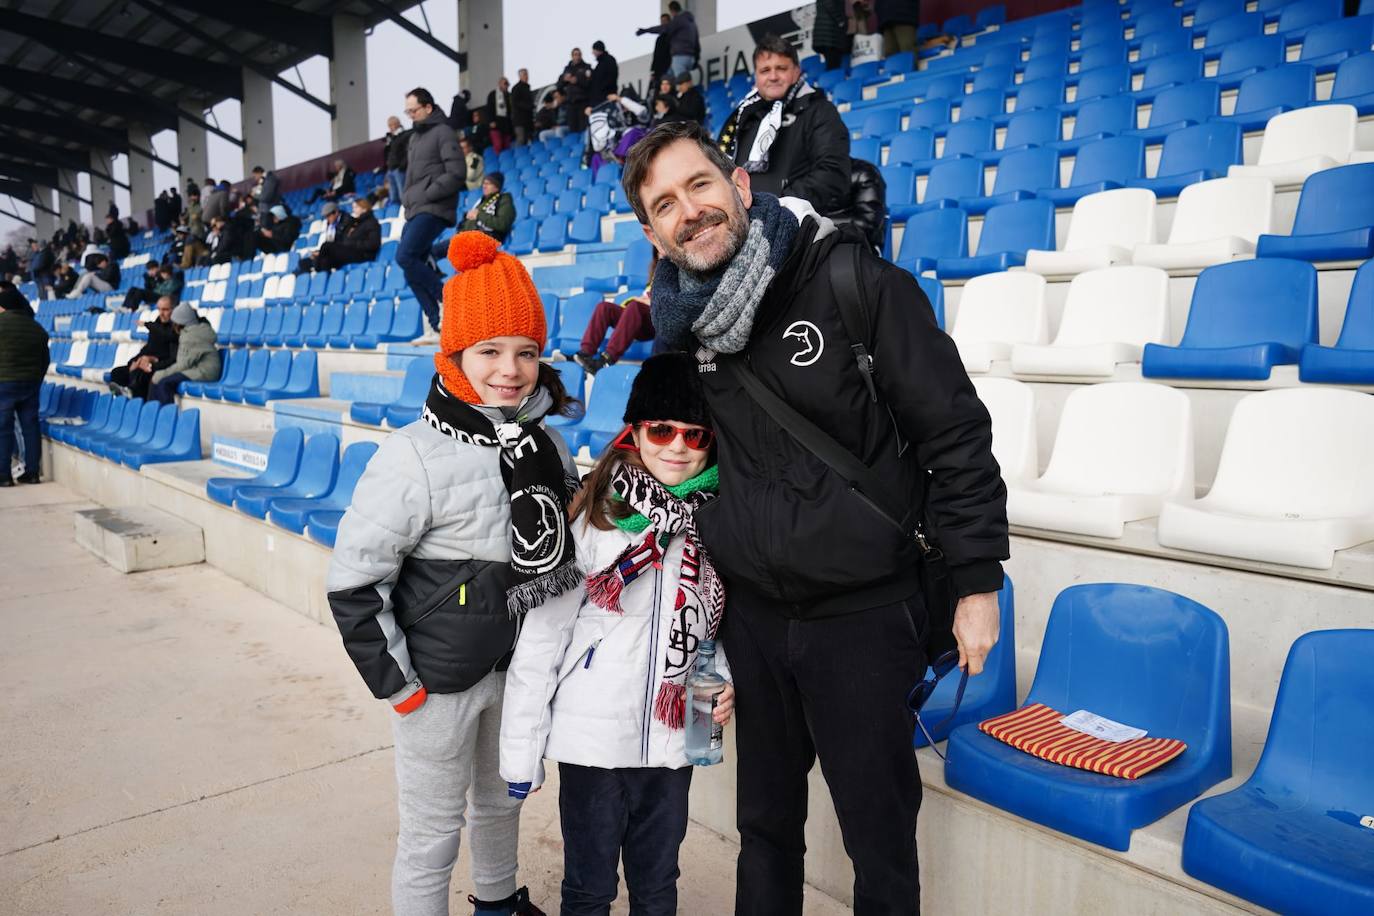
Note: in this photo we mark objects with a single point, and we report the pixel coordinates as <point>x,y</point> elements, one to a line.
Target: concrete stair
<point>137,538</point>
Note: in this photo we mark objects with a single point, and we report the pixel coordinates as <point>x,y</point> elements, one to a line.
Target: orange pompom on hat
<point>491,296</point>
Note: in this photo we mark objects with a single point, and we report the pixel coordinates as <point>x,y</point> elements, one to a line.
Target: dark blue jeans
<point>638,814</point>
<point>165,391</point>
<point>412,255</point>
<point>20,399</point>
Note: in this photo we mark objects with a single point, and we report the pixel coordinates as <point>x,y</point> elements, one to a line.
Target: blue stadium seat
<point>1165,72</point>
<point>931,236</point>
<point>569,202</point>
<point>407,323</point>
<point>985,104</point>
<point>302,380</point>
<point>1228,30</point>
<point>378,325</point>
<point>991,693</point>
<point>183,446</point>
<point>574,379</point>
<point>540,207</point>
<point>1022,174</point>
<point>1134,654</point>
<point>915,144</point>
<point>1290,837</point>
<point>1100,166</point>
<point>1102,54</point>
<point>935,294</point>
<point>522,237</point>
<point>1179,107</point>
<point>1209,11</point>
<point>278,369</point>
<point>881,123</point>
<point>868,149</point>
<point>1247,57</point>
<point>1246,317</point>
<point>1297,19</point>
<point>137,432</point>
<point>293,513</point>
<point>1036,94</point>
<point>1025,130</point>
<point>949,181</point>
<point>949,87</point>
<point>573,315</point>
<point>586,228</point>
<point>1198,153</point>
<point>271,325</point>
<point>1335,220</point>
<point>1008,231</point>
<point>608,174</point>
<point>1102,83</point>
<point>932,113</point>
<point>312,318</point>
<point>1354,83</point>
<point>553,233</point>
<point>1162,44</point>
<point>997,76</point>
<point>100,415</point>
<point>78,436</point>
<point>354,323</point>
<point>847,91</point>
<point>253,377</point>
<point>232,366</point>
<point>315,478</point>
<point>605,409</point>
<point>1051,65</point>
<point>331,325</point>
<point>598,199</point>
<point>964,138</point>
<point>1351,360</point>
<point>322,526</point>
<point>1100,119</point>
<point>1169,19</point>
<point>233,326</point>
<point>1271,92</point>
<point>899,186</point>
<point>414,388</point>
<point>157,438</point>
<point>901,62</point>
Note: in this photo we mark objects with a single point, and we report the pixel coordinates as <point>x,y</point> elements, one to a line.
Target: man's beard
<point>698,264</point>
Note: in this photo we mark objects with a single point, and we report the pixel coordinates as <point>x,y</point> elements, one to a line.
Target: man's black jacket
<point>810,157</point>
<point>162,343</point>
<point>788,528</point>
<point>605,79</point>
<point>691,106</point>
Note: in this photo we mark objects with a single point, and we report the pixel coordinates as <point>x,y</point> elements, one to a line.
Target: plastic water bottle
<point>704,737</point>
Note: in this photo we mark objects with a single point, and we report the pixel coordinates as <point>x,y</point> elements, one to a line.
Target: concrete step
<point>242,450</point>
<point>372,387</point>
<point>398,356</point>
<point>136,538</point>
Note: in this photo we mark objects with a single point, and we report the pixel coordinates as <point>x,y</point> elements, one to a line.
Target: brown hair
<point>773,44</point>
<point>564,404</point>
<point>593,500</point>
<point>643,154</point>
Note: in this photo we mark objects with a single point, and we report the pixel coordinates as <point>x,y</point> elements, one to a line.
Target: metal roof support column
<point>480,38</point>
<point>44,223</point>
<point>259,141</point>
<point>348,82</point>
<point>102,192</point>
<point>68,207</point>
<point>192,160</point>
<point>141,190</point>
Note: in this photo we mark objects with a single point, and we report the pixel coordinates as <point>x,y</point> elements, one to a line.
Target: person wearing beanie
<point>23,363</point>
<point>457,528</point>
<point>494,214</point>
<point>576,690</point>
<point>197,360</point>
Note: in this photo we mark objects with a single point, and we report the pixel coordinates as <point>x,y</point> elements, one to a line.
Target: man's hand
<point>976,622</point>
<point>725,706</point>
<point>472,214</point>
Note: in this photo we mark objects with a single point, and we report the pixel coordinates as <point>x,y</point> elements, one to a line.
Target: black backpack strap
<point>852,304</point>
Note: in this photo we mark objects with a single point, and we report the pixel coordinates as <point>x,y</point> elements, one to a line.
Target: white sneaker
<point>429,337</point>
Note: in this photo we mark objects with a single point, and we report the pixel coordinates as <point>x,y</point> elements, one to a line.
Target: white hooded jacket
<point>582,684</point>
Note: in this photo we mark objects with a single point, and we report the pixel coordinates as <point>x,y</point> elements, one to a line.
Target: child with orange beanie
<point>456,529</point>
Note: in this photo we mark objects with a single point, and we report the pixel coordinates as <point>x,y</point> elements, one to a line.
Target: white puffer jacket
<point>582,684</point>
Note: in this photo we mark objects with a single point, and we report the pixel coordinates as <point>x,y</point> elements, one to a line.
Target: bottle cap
<point>706,647</point>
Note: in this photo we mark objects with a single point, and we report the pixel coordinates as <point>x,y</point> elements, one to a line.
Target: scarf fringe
<point>670,707</point>
<point>528,595</point>
<point>604,589</point>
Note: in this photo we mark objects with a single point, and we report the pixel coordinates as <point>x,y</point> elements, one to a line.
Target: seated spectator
<point>342,183</point>
<point>665,87</point>
<point>280,232</point>
<point>23,363</point>
<point>495,213</point>
<point>102,274</point>
<point>479,131</point>
<point>349,239</point>
<point>225,239</point>
<point>612,128</point>
<point>665,110</point>
<point>473,162</point>
<point>631,321</point>
<point>549,121</point>
<point>117,238</point>
<point>691,105</point>
<point>132,380</point>
<point>64,280</point>
<point>788,136</point>
<point>145,294</point>
<point>197,360</point>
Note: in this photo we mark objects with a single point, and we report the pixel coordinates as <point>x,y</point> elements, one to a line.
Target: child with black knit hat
<point>598,681</point>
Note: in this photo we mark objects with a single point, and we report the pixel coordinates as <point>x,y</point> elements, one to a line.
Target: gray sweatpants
<point>448,775</point>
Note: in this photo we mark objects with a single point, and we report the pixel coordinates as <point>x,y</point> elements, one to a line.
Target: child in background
<point>598,682</point>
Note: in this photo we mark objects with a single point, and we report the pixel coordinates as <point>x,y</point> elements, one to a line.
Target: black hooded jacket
<point>808,159</point>
<point>786,527</point>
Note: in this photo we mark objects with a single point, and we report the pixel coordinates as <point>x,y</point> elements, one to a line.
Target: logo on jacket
<point>538,548</point>
<point>810,343</point>
<point>706,359</point>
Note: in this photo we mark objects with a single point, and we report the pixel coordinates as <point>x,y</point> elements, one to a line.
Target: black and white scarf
<point>542,557</point>
<point>768,127</point>
<point>700,595</point>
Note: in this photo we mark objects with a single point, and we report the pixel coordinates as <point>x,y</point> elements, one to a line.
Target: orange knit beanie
<point>491,296</point>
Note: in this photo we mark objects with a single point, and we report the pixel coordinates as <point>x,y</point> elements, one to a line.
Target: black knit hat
<point>495,178</point>
<point>667,388</point>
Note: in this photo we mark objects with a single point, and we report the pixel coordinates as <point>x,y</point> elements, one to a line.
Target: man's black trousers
<point>833,687</point>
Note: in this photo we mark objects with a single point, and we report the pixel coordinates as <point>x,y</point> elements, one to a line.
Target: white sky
<point>398,62</point>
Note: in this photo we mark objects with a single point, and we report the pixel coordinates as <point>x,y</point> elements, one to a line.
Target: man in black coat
<point>691,106</point>
<point>459,118</point>
<point>522,108</point>
<point>788,136</point>
<point>131,380</point>
<point>23,362</point>
<point>279,231</point>
<point>357,238</point>
<point>824,613</point>
<point>498,115</point>
<point>574,81</point>
<point>605,76</point>
<point>661,64</point>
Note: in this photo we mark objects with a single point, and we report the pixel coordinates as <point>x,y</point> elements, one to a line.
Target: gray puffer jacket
<point>197,358</point>
<point>435,173</point>
<point>418,578</point>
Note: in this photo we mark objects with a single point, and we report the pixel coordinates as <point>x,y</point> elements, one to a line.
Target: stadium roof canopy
<point>74,74</point>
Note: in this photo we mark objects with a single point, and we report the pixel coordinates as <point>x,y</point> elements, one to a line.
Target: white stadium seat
<point>1109,316</point>
<point>1103,230</point>
<point>1011,404</point>
<point>1293,485</point>
<point>269,287</point>
<point>1122,449</point>
<point>997,311</point>
<point>1300,142</point>
<point>1214,222</point>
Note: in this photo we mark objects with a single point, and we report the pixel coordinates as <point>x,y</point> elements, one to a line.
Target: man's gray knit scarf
<point>719,309</point>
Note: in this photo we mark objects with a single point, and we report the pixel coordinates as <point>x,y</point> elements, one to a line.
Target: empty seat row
<point>134,433</point>
<point>357,325</point>
<point>260,376</point>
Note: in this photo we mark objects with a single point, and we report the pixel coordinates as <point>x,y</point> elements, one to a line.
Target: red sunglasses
<point>663,434</point>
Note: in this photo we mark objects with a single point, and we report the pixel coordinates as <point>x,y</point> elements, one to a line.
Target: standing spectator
<point>139,295</point>
<point>102,274</point>
<point>116,236</point>
<point>499,112</point>
<point>267,189</point>
<point>42,260</point>
<point>170,282</point>
<point>684,45</point>
<point>605,79</point>
<point>281,233</point>
<point>632,320</point>
<point>132,380</point>
<point>522,108</point>
<point>494,214</point>
<point>174,203</point>
<point>397,144</point>
<point>788,136</point>
<point>691,106</point>
<point>193,246</point>
<point>112,211</point>
<point>434,176</point>
<point>574,82</point>
<point>824,613</point>
<point>830,36</point>
<point>341,184</point>
<point>661,64</point>
<point>459,118</point>
<point>162,212</point>
<point>197,360</point>
<point>215,200</point>
<point>23,363</point>
<point>473,162</point>
<point>898,21</point>
<point>356,239</point>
